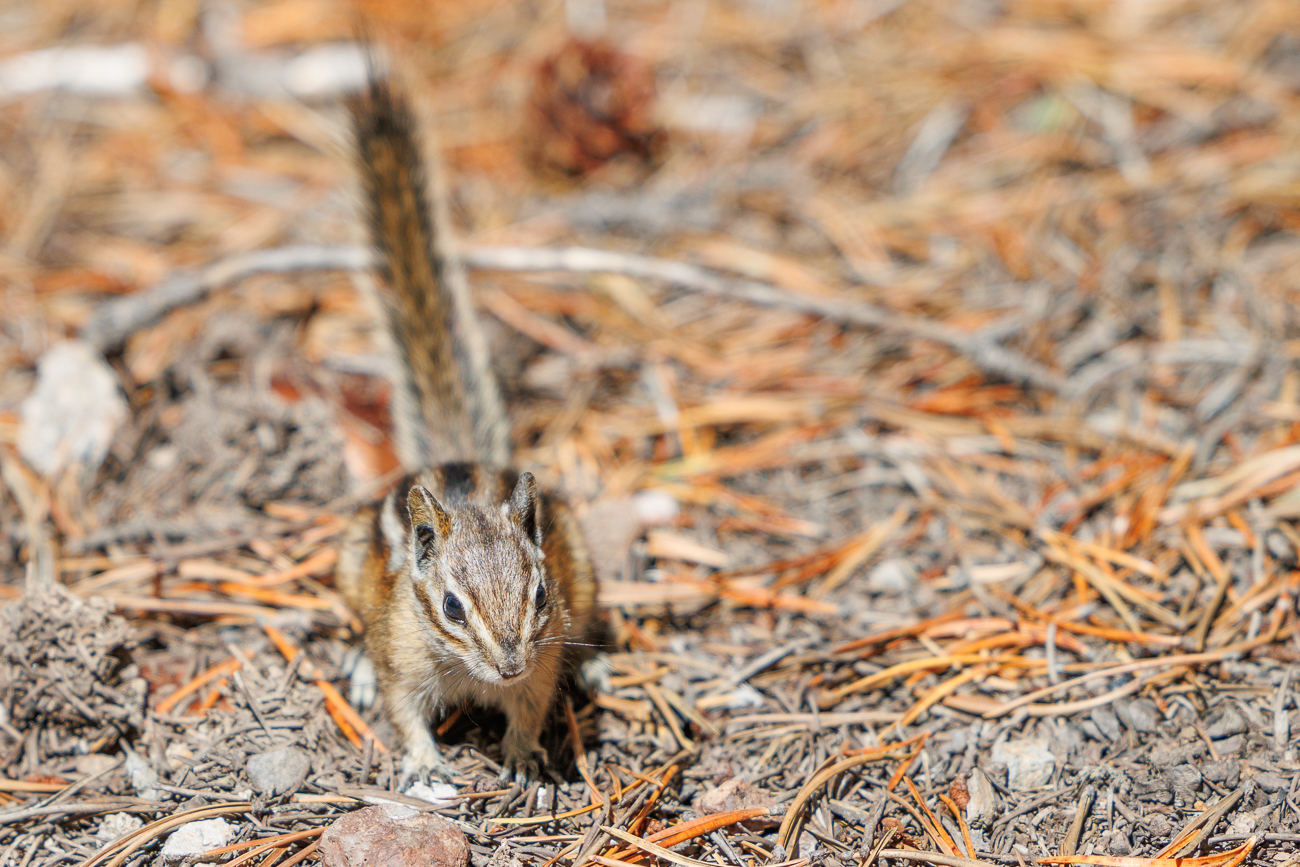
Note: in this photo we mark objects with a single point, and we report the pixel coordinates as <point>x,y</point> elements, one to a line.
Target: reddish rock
<point>734,794</point>
<point>393,835</point>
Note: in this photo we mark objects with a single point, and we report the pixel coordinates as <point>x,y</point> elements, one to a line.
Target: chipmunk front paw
<point>524,758</point>
<point>423,764</point>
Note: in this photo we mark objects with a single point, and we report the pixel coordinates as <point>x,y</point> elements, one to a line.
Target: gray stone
<point>734,794</point>
<point>1140,715</point>
<point>1271,782</point>
<point>1185,781</point>
<point>1225,721</point>
<point>1029,763</point>
<point>393,835</point>
<point>1231,746</point>
<point>1105,720</point>
<point>1167,756</point>
<point>194,838</point>
<point>1150,787</point>
<point>278,771</point>
<point>1118,843</point>
<point>1225,772</point>
<point>983,807</point>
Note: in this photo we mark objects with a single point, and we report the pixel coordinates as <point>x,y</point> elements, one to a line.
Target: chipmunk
<point>472,583</point>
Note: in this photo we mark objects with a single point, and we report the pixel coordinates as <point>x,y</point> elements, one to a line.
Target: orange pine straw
<point>941,834</point>
<point>580,755</point>
<point>281,840</point>
<point>880,678</point>
<point>316,564</point>
<point>1235,519</point>
<point>761,597</point>
<point>1231,858</point>
<point>307,851</point>
<point>643,816</point>
<point>942,691</point>
<point>906,763</point>
<point>349,721</point>
<point>273,843</point>
<point>353,726</point>
<point>275,597</point>
<point>274,857</point>
<point>669,837</point>
<point>282,644</point>
<point>1203,550</point>
<point>221,669</point>
<point>900,632</point>
<point>344,726</point>
<point>961,823</point>
<point>213,695</point>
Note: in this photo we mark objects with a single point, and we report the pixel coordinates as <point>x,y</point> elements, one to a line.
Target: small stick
<point>1071,842</point>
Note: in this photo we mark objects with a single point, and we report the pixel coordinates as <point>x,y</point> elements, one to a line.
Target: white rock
<point>1029,763</point>
<point>194,838</point>
<point>72,414</point>
<point>982,808</point>
<point>142,775</point>
<point>116,825</point>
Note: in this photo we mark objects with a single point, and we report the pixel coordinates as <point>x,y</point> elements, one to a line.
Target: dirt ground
<point>924,374</point>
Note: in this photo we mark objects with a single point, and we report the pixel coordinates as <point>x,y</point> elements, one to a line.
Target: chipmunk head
<point>479,577</point>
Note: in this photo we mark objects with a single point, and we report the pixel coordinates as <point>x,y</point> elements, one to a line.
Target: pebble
<point>278,771</point>
<point>1271,782</point>
<point>1029,763</point>
<point>116,825</point>
<point>983,807</point>
<point>142,775</point>
<point>734,794</point>
<point>1150,787</point>
<point>1140,715</point>
<point>1118,843</point>
<point>1225,721</point>
<point>1105,720</point>
<point>96,763</point>
<point>393,835</point>
<point>194,838</point>
<point>1225,772</point>
<point>1185,780</point>
<point>74,410</point>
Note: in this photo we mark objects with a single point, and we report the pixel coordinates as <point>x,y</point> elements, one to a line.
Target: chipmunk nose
<point>512,661</point>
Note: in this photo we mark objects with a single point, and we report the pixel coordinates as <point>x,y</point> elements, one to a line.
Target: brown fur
<point>447,403</point>
<point>471,583</point>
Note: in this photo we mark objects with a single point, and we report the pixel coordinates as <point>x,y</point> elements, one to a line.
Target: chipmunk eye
<point>539,601</point>
<point>452,607</point>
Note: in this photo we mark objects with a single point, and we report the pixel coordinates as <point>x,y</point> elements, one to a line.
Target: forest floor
<point>923,373</point>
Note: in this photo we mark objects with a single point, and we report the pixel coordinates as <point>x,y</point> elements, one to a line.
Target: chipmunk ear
<point>430,523</point>
<point>522,508</point>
